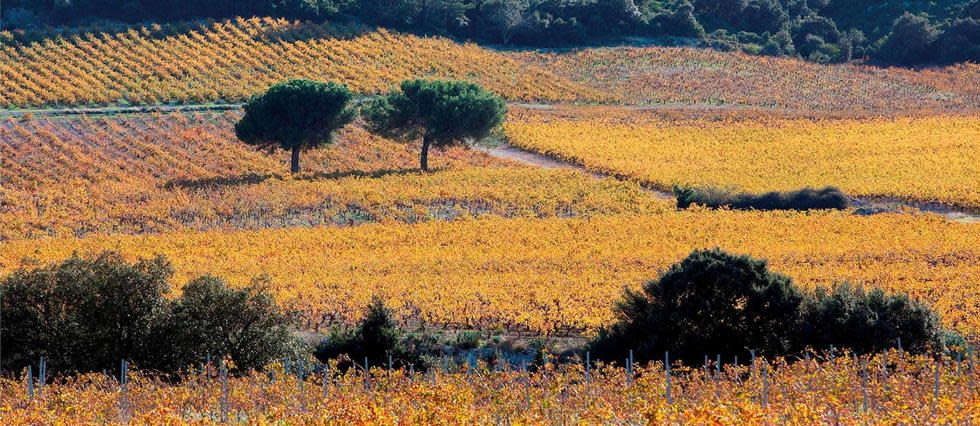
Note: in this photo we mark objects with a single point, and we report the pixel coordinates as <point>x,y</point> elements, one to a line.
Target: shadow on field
<point>254,178</point>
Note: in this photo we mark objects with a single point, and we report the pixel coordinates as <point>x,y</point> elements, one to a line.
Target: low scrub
<point>87,314</point>
<point>376,340</point>
<point>713,302</point>
<point>802,199</point>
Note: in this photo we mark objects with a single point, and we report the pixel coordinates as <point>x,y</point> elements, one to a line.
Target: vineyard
<point>539,225</point>
<point>889,388</point>
<point>551,275</point>
<point>73,177</point>
<point>678,75</point>
<point>931,159</point>
<point>230,61</point>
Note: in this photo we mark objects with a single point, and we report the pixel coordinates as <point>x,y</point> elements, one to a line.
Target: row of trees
<point>303,114</point>
<point>820,30</point>
<point>85,314</point>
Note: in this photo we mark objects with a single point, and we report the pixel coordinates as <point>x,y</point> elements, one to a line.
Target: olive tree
<point>296,115</point>
<point>441,113</point>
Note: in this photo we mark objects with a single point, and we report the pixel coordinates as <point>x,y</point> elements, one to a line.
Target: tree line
<point>886,31</point>
<point>85,314</point>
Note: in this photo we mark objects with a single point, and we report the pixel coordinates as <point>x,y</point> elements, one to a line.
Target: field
<point>552,275</point>
<point>527,249</point>
<point>798,393</point>
<point>679,75</point>
<point>931,159</point>
<point>139,174</point>
<point>229,61</point>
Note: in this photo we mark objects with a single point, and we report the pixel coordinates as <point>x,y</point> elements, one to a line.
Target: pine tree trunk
<point>294,168</point>
<point>426,141</point>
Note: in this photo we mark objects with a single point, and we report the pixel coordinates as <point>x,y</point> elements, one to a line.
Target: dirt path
<point>874,205</point>
<point>510,152</point>
<point>149,109</point>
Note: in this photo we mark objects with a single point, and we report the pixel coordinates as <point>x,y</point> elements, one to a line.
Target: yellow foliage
<point>231,60</point>
<point>780,392</point>
<point>173,172</point>
<point>931,159</point>
<point>553,275</point>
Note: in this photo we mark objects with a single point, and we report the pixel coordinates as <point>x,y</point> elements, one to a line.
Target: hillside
<point>229,61</point>
<point>684,75</point>
<point>172,172</point>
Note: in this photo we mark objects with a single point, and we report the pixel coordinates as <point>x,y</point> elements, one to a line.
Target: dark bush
<point>87,314</point>
<point>376,338</point>
<point>910,41</point>
<point>847,316</point>
<point>960,42</point>
<point>764,16</point>
<point>84,314</point>
<point>803,199</point>
<point>242,323</point>
<point>711,302</point>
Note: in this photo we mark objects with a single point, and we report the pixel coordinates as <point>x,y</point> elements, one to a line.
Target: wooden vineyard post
<point>670,398</point>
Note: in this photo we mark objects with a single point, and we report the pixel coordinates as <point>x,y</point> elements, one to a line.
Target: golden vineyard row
<point>174,172</point>
<point>933,159</point>
<point>683,75</point>
<point>552,275</point>
<point>274,202</point>
<point>843,391</point>
<point>231,60</point>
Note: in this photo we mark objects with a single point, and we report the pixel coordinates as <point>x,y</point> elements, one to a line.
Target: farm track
<point>878,204</point>
<point>149,109</point>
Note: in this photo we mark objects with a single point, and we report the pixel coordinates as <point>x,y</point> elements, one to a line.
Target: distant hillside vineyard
<point>231,60</point>
<point>228,61</point>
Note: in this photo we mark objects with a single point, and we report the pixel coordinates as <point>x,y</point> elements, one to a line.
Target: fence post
<point>588,372</point>
<point>864,386</point>
<point>765,384</point>
<point>527,385</point>
<point>223,372</point>
<point>42,375</point>
<point>124,391</point>
<point>30,383</point>
<point>326,380</point>
<point>670,398</point>
<point>367,375</point>
<point>717,376</point>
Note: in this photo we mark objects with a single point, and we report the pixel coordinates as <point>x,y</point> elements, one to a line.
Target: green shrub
<point>711,302</point>
<point>802,199</point>
<point>255,328</point>
<point>83,314</point>
<point>376,338</point>
<point>848,316</point>
<point>88,314</point>
<point>910,42</point>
